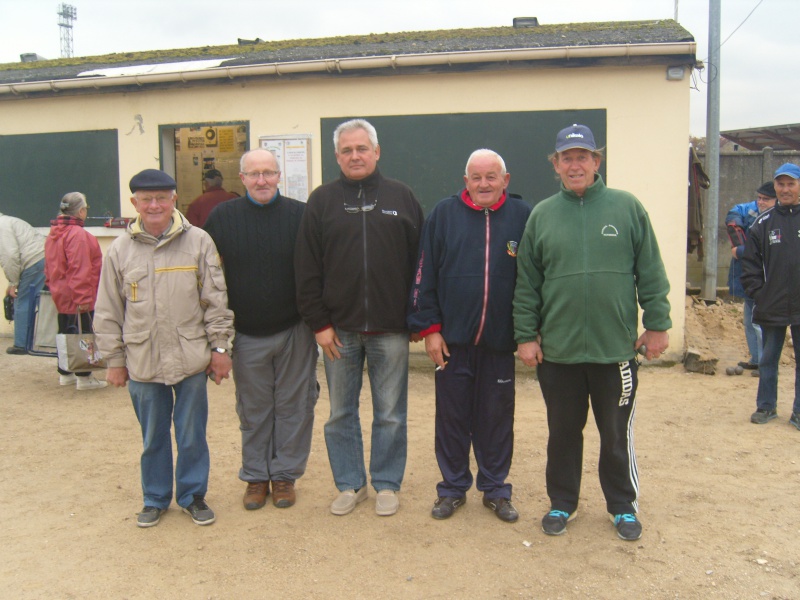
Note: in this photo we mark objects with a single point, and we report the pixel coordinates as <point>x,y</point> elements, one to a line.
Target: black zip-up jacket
<point>467,270</point>
<point>354,267</point>
<point>771,266</point>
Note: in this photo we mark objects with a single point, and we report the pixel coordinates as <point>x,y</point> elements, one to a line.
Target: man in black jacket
<point>354,262</point>
<point>274,353</point>
<point>771,276</point>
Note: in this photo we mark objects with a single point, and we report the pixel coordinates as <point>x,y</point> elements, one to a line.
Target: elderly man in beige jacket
<point>163,324</point>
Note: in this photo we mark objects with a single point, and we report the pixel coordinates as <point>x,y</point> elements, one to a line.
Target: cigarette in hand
<point>440,367</point>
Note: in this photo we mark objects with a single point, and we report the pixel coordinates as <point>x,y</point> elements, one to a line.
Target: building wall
<point>648,124</point>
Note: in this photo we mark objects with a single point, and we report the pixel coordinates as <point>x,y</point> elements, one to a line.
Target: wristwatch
<point>220,350</point>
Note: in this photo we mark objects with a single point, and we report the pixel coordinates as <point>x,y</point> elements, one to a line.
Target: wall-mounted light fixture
<point>675,73</point>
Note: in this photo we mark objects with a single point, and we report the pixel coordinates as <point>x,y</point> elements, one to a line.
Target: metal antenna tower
<point>66,15</point>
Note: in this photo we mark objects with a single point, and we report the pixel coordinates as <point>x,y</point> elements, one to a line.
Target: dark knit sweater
<point>256,243</point>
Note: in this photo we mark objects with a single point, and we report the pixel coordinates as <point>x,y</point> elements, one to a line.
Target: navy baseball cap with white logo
<point>575,136</point>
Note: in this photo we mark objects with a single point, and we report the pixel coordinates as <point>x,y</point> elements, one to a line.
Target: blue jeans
<point>156,409</point>
<point>774,337</point>
<point>752,332</point>
<point>32,276</point>
<point>387,365</point>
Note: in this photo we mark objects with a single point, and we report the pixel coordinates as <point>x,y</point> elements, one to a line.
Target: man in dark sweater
<point>274,352</point>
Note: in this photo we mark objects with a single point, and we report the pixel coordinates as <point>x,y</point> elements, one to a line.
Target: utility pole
<point>711,226</point>
<point>66,15</point>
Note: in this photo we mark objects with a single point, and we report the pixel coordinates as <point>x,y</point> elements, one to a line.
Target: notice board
<point>294,159</point>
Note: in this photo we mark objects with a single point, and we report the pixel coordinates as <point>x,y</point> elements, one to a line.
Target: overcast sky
<point>761,55</point>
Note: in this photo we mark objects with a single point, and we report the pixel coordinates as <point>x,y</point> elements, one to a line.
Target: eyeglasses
<point>256,175</point>
<point>354,209</point>
<point>162,200</point>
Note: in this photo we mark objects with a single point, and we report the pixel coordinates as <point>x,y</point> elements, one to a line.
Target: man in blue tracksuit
<point>461,304</point>
<point>738,222</point>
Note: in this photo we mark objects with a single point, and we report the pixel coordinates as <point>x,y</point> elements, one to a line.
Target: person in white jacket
<point>22,259</point>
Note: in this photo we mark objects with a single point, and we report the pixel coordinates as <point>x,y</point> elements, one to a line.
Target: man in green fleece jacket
<point>587,255</point>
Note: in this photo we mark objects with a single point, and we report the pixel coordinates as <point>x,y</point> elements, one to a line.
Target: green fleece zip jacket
<point>582,265</point>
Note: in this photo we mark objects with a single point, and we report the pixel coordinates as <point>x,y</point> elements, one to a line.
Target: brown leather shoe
<point>256,495</point>
<point>283,495</point>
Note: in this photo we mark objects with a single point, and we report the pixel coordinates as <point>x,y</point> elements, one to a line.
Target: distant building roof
<point>778,137</point>
<point>578,44</point>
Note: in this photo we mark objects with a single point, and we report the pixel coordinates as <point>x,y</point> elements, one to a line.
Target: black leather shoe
<point>503,508</point>
<point>16,350</point>
<point>445,506</point>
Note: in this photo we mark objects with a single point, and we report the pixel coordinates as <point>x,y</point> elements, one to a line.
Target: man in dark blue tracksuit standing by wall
<point>461,303</point>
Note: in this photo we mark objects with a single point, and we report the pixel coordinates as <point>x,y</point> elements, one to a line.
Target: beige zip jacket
<point>162,303</point>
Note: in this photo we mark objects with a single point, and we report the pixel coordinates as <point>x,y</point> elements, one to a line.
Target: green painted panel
<point>429,152</point>
<point>38,169</point>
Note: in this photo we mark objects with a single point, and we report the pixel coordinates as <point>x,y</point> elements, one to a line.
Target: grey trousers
<point>276,392</point>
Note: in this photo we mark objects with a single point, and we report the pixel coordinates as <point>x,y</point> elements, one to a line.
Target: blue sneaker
<point>628,527</point>
<point>555,522</point>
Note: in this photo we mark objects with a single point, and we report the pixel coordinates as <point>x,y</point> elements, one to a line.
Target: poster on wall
<point>294,159</point>
<point>201,148</point>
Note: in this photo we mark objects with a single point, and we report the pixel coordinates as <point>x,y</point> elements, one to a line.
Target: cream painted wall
<point>648,126</point>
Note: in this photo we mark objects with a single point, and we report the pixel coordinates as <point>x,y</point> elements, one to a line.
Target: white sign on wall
<point>294,159</point>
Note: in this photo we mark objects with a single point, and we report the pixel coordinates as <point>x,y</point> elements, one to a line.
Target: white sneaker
<point>346,501</point>
<point>67,379</point>
<point>387,503</point>
<point>90,383</point>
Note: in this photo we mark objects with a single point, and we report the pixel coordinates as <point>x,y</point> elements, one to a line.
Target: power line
<point>750,14</point>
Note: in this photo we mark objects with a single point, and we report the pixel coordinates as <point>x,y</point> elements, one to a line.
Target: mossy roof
<point>373,44</point>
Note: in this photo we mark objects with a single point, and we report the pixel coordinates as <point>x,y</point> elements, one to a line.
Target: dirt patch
<point>716,502</point>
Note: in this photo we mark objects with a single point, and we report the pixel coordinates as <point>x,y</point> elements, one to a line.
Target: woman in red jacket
<point>73,260</point>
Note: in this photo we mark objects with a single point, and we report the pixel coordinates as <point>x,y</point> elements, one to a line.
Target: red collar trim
<point>468,201</point>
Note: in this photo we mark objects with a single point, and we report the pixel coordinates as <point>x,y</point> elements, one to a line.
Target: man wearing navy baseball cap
<point>587,255</point>
<point>162,323</point>
<point>771,276</point>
